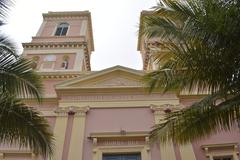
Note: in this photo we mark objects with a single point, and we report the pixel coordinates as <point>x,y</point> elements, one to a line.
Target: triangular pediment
<point>114,77</point>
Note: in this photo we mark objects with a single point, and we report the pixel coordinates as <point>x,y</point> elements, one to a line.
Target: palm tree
<point>200,51</point>
<point>19,123</point>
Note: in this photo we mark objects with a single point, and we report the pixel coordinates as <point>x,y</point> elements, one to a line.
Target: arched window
<point>62,29</point>
<point>35,62</point>
<point>65,62</point>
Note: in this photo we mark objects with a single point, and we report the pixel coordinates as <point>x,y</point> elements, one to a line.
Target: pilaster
<point>1,156</point>
<point>34,157</point>
<point>78,130</point>
<point>166,150</point>
<point>79,60</point>
<point>59,132</point>
<point>187,152</point>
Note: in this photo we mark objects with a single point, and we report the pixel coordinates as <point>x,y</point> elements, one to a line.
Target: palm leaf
<point>199,51</point>
<point>25,126</point>
<point>19,124</point>
<point>17,76</point>
<point>4,10</point>
<point>199,121</point>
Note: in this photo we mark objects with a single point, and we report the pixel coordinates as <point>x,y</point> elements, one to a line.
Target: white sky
<point>115,26</point>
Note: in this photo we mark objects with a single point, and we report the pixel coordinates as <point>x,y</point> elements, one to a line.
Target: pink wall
<point>155,152</point>
<point>57,39</point>
<point>68,136</point>
<point>49,86</point>
<point>51,121</point>
<point>188,101</point>
<point>113,120</point>
<point>219,138</point>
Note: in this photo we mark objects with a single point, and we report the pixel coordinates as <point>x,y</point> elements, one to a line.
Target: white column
<point>79,60</point>
<point>59,133</point>
<point>78,130</point>
<point>166,150</point>
<point>187,152</point>
<point>83,30</point>
<point>1,156</point>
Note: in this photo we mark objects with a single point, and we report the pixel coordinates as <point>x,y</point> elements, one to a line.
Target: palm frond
<point>24,126</point>
<point>199,51</point>
<point>199,121</point>
<point>7,46</point>
<point>5,6</point>
<point>17,76</point>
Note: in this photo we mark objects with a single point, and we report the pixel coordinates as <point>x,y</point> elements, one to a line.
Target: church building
<point>106,114</point>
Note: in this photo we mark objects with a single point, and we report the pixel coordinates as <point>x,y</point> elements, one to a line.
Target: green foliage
<point>16,75</point>
<point>25,126</point>
<point>19,124</point>
<point>200,42</point>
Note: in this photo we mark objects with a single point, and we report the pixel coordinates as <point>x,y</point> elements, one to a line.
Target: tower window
<point>62,29</point>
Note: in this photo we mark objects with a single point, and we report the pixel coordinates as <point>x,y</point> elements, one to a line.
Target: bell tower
<point>146,45</point>
<point>64,42</point>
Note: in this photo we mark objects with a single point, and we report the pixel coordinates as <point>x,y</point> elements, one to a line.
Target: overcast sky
<point>115,26</point>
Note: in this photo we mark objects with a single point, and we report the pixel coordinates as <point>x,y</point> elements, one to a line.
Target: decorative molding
<point>119,139</point>
<point>118,97</point>
<point>165,108</point>
<point>115,71</point>
<point>94,141</point>
<point>66,14</point>
<point>72,110</point>
<point>146,59</point>
<point>119,134</point>
<point>14,150</point>
<point>87,59</point>
<point>65,45</point>
<point>220,145</point>
<point>231,149</point>
<point>119,142</point>
<point>54,45</point>
<point>117,81</point>
<point>59,76</point>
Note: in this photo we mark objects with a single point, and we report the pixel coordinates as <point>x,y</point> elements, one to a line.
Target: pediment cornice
<point>114,77</point>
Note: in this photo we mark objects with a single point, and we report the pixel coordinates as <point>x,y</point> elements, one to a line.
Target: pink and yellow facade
<point>107,114</point>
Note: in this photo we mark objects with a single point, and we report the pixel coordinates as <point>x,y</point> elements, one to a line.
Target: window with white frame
<point>62,29</point>
<point>227,151</point>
